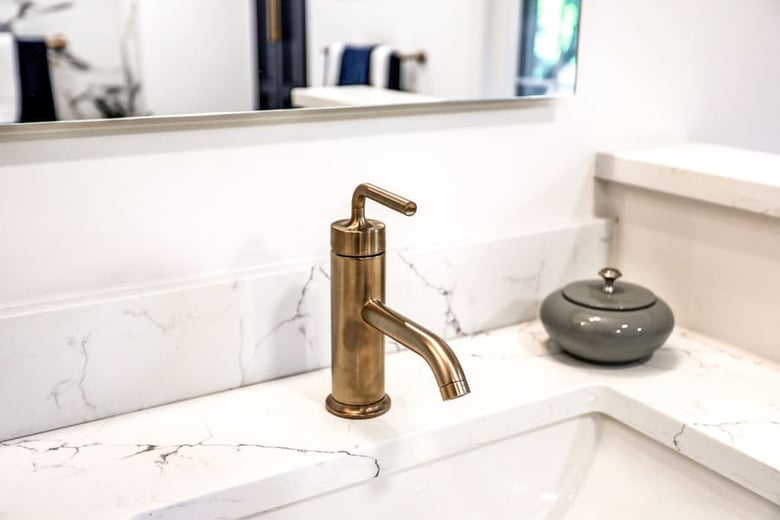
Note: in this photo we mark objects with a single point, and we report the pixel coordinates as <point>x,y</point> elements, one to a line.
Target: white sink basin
<point>590,467</point>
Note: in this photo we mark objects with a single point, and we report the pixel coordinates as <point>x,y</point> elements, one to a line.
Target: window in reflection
<point>548,58</point>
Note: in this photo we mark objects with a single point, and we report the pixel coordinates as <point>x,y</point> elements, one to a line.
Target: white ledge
<point>730,177</point>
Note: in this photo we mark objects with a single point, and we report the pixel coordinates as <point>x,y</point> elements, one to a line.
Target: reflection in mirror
<point>96,59</point>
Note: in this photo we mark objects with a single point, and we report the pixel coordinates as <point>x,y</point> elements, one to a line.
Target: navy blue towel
<point>394,74</point>
<point>37,99</point>
<point>355,66</point>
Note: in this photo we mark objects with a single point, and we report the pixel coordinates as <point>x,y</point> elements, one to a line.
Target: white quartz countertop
<point>731,177</point>
<point>354,95</point>
<point>231,454</point>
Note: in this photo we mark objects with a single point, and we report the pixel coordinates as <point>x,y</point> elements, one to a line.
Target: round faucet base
<point>353,411</point>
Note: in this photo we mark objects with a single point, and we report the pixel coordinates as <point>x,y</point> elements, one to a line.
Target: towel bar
<point>420,56</point>
<point>57,42</point>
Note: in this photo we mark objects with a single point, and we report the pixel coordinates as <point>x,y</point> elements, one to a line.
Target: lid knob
<point>604,295</point>
<point>610,276</point>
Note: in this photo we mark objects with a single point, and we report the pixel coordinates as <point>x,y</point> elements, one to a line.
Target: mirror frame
<point>134,125</point>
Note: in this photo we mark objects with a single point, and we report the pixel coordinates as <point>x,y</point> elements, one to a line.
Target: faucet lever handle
<point>384,197</point>
<point>359,236</point>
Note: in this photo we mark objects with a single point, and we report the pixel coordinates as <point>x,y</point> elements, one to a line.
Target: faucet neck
<point>358,220</point>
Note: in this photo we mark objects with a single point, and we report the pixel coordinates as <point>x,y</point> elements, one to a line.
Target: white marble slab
<point>232,454</point>
<point>71,362</point>
<point>731,177</point>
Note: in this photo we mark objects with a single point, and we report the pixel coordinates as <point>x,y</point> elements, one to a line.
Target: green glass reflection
<point>549,53</point>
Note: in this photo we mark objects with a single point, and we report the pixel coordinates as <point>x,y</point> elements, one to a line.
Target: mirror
<point>98,59</point>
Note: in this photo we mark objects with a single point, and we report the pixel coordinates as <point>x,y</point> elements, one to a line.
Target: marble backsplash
<point>77,362</point>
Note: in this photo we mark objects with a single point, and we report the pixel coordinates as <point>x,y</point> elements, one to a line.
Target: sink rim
<point>494,425</point>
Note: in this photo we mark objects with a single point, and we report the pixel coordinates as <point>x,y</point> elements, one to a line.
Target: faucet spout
<point>445,366</point>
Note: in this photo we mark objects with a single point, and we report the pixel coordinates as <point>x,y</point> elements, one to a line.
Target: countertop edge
<point>755,193</point>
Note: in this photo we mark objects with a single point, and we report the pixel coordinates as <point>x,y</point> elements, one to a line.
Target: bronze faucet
<point>360,320</point>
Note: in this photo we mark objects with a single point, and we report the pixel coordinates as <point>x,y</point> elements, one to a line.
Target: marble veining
<point>452,326</point>
<point>59,454</point>
<point>67,384</point>
<point>81,361</point>
<point>233,454</point>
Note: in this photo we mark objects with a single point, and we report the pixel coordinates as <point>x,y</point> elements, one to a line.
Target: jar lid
<point>606,295</point>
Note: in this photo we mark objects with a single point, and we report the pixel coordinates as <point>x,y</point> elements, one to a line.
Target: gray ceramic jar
<point>607,322</point>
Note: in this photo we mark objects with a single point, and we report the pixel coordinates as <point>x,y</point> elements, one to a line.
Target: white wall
<point>501,54</point>
<point>91,214</point>
<point>196,56</point>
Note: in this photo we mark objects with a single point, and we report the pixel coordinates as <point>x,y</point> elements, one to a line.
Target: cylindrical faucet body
<point>360,320</point>
<point>358,349</point>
